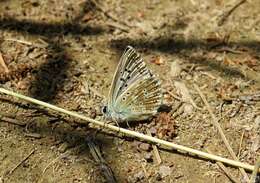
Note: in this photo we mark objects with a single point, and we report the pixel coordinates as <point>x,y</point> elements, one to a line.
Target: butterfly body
<point>135,93</point>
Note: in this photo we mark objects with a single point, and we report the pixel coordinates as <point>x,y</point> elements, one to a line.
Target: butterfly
<point>135,93</point>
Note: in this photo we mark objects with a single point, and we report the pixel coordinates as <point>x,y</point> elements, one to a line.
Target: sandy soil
<point>65,53</point>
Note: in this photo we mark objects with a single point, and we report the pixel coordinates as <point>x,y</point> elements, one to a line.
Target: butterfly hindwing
<point>141,100</point>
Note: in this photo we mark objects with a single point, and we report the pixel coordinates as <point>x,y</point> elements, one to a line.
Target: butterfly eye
<point>104,110</point>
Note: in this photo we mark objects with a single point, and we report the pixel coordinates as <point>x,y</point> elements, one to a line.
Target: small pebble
<point>153,130</point>
<point>158,177</point>
<point>93,113</point>
<point>145,146</point>
<point>138,177</point>
<point>148,157</point>
<point>165,171</point>
<point>63,147</point>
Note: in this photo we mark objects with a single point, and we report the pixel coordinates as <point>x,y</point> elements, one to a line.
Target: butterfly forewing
<point>130,68</point>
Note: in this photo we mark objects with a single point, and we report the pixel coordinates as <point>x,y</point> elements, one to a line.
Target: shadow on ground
<point>51,74</point>
<point>186,49</point>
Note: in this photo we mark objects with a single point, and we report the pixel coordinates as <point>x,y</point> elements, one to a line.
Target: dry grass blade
<point>96,154</point>
<point>254,174</point>
<point>41,179</point>
<point>217,125</point>
<point>228,13</point>
<point>223,168</point>
<point>185,93</point>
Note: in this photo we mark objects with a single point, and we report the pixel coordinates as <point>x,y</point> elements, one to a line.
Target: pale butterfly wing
<point>130,68</point>
<point>135,93</point>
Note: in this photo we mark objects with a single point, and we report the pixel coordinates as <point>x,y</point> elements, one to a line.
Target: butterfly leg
<point>128,124</point>
<point>106,122</point>
<point>117,124</point>
<point>97,130</point>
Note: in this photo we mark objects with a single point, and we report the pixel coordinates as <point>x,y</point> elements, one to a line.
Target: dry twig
<point>10,120</point>
<point>164,143</point>
<point>227,49</point>
<point>225,15</point>
<point>22,161</point>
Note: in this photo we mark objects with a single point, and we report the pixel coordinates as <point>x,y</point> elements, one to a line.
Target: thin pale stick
<point>19,41</point>
<point>155,150</point>
<point>217,125</point>
<point>43,45</point>
<point>175,96</point>
<point>138,135</point>
<point>51,163</point>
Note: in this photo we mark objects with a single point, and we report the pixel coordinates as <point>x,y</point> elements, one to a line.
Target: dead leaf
<point>2,63</point>
<point>87,17</point>
<point>140,14</point>
<point>185,94</point>
<point>158,60</point>
<point>165,171</point>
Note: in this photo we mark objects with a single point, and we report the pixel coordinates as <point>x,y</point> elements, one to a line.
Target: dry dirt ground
<point>65,53</point>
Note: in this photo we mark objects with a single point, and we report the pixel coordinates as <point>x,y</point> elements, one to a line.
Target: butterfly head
<point>110,114</point>
<point>107,113</point>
